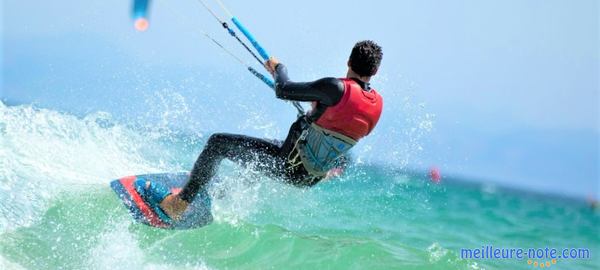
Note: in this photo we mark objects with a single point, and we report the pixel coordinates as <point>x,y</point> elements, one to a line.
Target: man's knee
<point>218,142</point>
<point>218,138</point>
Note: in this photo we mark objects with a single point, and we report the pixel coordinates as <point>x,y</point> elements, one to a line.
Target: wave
<point>43,152</point>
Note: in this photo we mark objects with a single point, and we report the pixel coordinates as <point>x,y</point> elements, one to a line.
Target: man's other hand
<point>271,64</point>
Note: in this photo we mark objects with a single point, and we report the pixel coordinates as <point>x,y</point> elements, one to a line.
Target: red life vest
<point>356,114</point>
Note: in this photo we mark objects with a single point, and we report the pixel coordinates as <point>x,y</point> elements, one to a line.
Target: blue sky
<point>511,87</point>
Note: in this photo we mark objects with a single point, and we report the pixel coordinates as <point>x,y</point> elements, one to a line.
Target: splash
<point>405,123</point>
<point>44,152</point>
<point>119,249</point>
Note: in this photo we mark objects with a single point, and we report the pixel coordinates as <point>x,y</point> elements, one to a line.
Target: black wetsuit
<point>269,157</point>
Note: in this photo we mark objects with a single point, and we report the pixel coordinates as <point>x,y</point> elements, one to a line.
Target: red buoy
<point>434,175</point>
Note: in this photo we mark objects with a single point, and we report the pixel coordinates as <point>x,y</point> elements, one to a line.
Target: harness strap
<point>294,159</point>
<point>300,155</point>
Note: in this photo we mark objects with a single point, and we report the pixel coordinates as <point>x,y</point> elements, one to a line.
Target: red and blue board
<point>197,215</point>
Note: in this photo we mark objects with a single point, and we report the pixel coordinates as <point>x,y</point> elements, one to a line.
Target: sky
<point>496,91</point>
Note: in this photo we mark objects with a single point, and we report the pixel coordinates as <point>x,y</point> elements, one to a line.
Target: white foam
<point>43,152</point>
<point>236,194</point>
<point>436,252</point>
<point>119,249</point>
<point>8,265</point>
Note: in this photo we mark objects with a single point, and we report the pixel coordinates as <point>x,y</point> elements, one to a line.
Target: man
<point>344,110</point>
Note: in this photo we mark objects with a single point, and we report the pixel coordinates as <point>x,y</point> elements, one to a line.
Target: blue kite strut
<point>251,38</point>
<point>261,51</point>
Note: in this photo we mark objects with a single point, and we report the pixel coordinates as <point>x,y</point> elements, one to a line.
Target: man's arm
<point>327,91</point>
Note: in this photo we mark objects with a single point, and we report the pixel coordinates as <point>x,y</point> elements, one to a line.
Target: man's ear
<point>349,63</point>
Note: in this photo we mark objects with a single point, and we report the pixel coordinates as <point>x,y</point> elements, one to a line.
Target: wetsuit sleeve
<point>327,91</point>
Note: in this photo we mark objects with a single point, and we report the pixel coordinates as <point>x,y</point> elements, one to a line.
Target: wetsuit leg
<point>238,148</point>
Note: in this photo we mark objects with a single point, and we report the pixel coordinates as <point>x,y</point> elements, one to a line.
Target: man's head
<point>365,59</point>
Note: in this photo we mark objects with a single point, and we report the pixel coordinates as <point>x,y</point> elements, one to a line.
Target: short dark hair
<point>365,58</point>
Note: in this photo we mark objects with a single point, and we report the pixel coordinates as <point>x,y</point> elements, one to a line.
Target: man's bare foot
<point>173,206</point>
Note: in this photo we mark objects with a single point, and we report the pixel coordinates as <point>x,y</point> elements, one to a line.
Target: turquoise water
<point>58,212</point>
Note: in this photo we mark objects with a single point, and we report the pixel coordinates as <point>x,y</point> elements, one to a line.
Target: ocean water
<point>58,212</point>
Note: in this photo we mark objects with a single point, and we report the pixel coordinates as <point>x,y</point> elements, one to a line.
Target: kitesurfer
<point>343,111</point>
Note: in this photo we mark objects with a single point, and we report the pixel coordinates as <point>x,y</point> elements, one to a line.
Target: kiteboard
<point>196,215</point>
